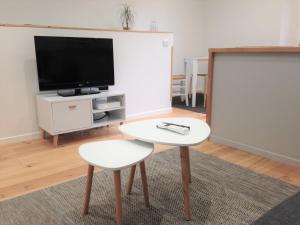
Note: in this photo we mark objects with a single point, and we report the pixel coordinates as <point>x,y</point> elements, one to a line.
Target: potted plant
<point>127,16</point>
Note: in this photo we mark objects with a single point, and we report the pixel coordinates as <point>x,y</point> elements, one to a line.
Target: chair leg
<point>145,184</point>
<point>88,189</point>
<point>182,98</point>
<point>131,178</point>
<point>117,182</point>
<point>187,100</point>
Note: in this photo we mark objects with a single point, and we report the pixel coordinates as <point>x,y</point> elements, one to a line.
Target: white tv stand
<point>59,115</point>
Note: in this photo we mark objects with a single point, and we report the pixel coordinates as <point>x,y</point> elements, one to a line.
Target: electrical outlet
<point>165,43</point>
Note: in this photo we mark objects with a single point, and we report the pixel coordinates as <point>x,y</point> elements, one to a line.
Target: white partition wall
<point>142,72</point>
<point>256,103</point>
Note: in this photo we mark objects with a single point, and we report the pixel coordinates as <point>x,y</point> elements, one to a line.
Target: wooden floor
<point>29,166</point>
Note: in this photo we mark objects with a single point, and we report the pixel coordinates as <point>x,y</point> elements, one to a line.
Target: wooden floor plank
<point>33,165</point>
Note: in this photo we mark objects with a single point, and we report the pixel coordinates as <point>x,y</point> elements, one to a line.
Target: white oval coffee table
<point>147,131</point>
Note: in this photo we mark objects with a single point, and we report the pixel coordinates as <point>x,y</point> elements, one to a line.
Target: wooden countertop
<point>272,49</point>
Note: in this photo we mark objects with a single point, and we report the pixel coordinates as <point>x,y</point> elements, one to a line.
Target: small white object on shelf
<point>98,102</point>
<point>103,104</point>
<point>177,128</point>
<point>153,26</point>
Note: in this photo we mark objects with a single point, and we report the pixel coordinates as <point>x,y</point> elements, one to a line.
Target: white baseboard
<point>37,134</point>
<point>149,113</point>
<point>20,138</point>
<point>256,150</point>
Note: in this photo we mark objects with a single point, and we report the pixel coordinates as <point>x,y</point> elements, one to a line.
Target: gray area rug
<point>286,213</point>
<point>221,194</point>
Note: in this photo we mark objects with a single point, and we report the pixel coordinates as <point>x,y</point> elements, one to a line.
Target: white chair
<point>180,87</point>
<point>195,68</point>
<point>115,156</point>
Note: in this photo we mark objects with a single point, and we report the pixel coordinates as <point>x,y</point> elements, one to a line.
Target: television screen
<point>69,62</point>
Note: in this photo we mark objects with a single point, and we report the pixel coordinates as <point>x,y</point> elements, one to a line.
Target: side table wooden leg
<point>184,151</point>
<point>117,182</point>
<point>189,167</point>
<point>145,184</point>
<point>131,179</point>
<point>88,189</point>
<point>55,140</point>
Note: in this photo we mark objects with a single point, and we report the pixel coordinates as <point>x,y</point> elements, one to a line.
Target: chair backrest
<point>202,65</point>
<point>179,85</point>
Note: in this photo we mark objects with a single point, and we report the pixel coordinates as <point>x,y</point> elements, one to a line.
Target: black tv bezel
<point>73,85</point>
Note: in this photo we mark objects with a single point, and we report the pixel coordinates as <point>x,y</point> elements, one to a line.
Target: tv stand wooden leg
<point>44,134</point>
<point>55,140</point>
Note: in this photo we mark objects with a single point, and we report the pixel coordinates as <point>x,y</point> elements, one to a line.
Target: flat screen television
<point>74,63</point>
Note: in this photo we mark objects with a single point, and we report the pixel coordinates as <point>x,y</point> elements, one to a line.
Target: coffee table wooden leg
<point>88,189</point>
<point>131,178</point>
<point>189,166</point>
<point>145,184</point>
<point>117,181</point>
<point>184,152</point>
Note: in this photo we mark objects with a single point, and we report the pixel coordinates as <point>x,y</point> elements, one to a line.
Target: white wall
<point>142,71</point>
<point>183,17</point>
<point>288,28</point>
<point>197,26</point>
<point>231,23</point>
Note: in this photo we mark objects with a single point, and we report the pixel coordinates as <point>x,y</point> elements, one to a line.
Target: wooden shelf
<point>109,121</point>
<point>108,109</point>
<point>80,28</point>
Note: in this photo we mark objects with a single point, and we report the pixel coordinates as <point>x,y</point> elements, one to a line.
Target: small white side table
<point>115,155</point>
<point>147,131</point>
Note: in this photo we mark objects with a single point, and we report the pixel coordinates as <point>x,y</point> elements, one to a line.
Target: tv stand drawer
<point>73,115</point>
